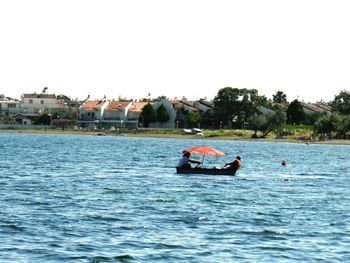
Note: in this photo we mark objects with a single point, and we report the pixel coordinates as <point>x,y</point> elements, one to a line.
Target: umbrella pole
<point>203,160</point>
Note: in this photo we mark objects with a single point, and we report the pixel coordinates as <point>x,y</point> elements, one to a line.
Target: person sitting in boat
<point>185,161</point>
<point>235,165</point>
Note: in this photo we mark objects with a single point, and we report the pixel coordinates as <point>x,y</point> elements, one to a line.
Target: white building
<point>39,103</point>
<point>170,124</point>
<point>116,112</point>
<point>8,106</point>
<point>134,113</point>
<point>91,112</point>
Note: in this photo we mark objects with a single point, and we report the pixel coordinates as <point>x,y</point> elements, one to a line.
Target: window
<point>42,102</point>
<point>30,101</point>
<point>12,105</point>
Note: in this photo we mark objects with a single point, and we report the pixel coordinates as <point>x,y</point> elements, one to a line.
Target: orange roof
<point>186,103</point>
<point>138,106</point>
<point>117,105</point>
<point>175,102</point>
<point>92,105</point>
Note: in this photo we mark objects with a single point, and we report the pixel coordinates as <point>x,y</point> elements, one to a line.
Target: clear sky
<point>188,48</point>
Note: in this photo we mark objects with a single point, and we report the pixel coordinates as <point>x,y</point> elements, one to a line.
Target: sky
<point>189,48</point>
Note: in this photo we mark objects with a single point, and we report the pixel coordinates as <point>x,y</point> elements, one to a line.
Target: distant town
<point>241,110</point>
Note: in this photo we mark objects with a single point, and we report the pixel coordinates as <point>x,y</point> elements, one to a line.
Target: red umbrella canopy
<point>205,150</point>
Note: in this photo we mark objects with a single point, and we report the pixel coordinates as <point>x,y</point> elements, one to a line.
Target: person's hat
<point>187,154</point>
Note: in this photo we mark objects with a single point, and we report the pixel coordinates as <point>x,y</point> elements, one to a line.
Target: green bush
<point>238,133</point>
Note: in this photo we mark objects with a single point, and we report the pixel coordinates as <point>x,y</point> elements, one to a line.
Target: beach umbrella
<point>205,150</point>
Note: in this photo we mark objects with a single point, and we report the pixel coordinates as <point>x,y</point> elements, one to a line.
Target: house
<point>91,112</point>
<point>110,113</point>
<point>184,105</point>
<point>311,108</point>
<point>170,124</point>
<point>8,106</point>
<point>44,103</point>
<point>39,103</point>
<point>203,105</point>
<point>24,118</point>
<point>134,113</point>
<point>116,112</point>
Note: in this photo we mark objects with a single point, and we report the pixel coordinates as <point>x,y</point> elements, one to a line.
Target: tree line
<point>235,108</point>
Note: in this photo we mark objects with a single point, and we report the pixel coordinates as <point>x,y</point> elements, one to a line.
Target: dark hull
<point>205,171</point>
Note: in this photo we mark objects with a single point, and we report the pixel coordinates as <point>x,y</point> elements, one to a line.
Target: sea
<point>73,198</point>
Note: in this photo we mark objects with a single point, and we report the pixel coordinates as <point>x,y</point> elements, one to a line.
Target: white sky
<point>178,48</point>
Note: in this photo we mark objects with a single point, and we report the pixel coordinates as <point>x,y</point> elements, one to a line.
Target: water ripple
<point>118,199</point>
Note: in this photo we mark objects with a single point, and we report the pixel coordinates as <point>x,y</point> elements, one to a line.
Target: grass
<point>227,133</point>
<point>292,133</point>
<point>298,132</point>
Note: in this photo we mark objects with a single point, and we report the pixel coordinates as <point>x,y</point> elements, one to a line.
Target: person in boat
<point>235,165</point>
<point>185,161</point>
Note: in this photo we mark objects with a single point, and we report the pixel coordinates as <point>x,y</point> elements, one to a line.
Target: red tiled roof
<point>117,105</point>
<point>92,105</point>
<point>138,106</point>
<point>175,102</point>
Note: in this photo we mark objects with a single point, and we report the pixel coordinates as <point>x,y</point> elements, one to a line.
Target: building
<point>39,103</point>
<point>8,106</point>
<point>203,105</point>
<point>170,124</point>
<point>91,112</point>
<point>134,113</point>
<point>311,108</point>
<point>116,113</point>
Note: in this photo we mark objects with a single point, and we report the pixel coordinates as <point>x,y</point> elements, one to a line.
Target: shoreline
<point>176,136</point>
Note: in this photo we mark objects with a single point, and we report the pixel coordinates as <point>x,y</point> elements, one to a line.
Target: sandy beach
<point>173,136</point>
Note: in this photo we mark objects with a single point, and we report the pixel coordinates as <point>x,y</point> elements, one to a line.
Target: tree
<point>163,115</point>
<point>237,105</point>
<point>208,119</point>
<point>148,114</point>
<point>65,98</point>
<point>295,112</point>
<point>341,103</point>
<point>280,119</point>
<point>266,123</point>
<point>120,98</point>
<point>45,119</point>
<point>344,130</point>
<point>279,97</point>
<point>328,123</point>
<point>7,120</point>
<point>256,122</point>
<point>159,98</point>
<point>226,104</point>
<point>193,118</point>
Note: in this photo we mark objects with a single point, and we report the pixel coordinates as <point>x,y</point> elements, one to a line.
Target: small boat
<point>212,171</point>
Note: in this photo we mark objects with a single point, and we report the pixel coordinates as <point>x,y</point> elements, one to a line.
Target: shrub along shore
<point>296,136</point>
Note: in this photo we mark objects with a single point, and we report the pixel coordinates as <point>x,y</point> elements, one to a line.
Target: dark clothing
<point>234,165</point>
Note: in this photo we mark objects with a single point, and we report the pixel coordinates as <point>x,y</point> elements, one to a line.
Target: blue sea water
<point>71,198</point>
